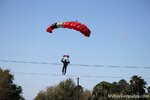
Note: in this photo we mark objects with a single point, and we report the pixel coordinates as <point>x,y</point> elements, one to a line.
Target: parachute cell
<point>71,25</point>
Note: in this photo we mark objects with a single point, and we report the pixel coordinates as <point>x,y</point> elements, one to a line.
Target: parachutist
<point>65,61</point>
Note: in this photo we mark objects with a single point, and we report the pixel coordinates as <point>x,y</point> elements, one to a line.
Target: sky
<point>120,32</point>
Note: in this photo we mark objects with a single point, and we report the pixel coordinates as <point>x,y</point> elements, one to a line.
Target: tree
<point>101,91</point>
<point>148,90</point>
<point>123,86</point>
<point>138,85</point>
<point>9,90</point>
<point>41,96</point>
<point>113,91</point>
<point>114,88</point>
<point>65,90</point>
<point>86,95</point>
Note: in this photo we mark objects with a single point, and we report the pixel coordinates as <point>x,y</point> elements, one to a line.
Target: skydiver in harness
<point>65,61</point>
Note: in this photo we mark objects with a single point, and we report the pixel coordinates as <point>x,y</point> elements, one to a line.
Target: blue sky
<point>119,37</point>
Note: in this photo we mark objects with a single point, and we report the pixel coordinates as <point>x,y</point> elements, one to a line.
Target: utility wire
<point>83,65</point>
<point>71,75</point>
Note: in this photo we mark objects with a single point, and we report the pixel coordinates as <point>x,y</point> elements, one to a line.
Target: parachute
<point>66,56</point>
<point>71,25</point>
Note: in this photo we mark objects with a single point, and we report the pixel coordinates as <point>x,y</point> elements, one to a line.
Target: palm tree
<point>137,85</point>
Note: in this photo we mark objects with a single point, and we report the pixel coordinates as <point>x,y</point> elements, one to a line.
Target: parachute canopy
<point>66,56</point>
<point>71,25</point>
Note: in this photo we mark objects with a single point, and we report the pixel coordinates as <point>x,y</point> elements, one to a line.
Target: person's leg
<point>63,70</point>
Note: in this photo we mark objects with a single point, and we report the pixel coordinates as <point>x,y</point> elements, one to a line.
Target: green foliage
<point>68,90</point>
<point>64,90</point>
<point>42,96</point>
<point>9,90</point>
<point>136,86</point>
<point>101,90</point>
<point>123,86</point>
<point>148,90</point>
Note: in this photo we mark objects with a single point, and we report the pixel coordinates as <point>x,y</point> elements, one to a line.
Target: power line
<point>83,65</point>
<point>71,75</point>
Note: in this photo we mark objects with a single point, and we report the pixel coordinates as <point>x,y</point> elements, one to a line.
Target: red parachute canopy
<point>71,25</point>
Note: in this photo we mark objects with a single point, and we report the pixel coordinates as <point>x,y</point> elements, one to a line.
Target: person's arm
<point>62,60</point>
